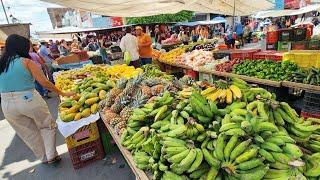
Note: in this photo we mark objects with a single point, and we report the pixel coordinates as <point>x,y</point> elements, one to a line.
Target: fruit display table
<point>140,175</point>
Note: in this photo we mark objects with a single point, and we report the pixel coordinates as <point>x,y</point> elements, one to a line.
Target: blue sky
<point>29,11</point>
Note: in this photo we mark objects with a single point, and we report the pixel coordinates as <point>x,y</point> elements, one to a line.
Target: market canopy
<point>137,8</point>
<point>213,21</point>
<point>287,12</point>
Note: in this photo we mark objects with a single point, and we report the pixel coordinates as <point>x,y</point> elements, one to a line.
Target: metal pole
<point>5,13</point>
<point>234,13</point>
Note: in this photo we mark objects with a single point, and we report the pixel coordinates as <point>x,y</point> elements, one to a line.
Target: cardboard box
<point>73,58</point>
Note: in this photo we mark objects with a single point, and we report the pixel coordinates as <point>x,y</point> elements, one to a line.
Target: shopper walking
<point>45,54</point>
<point>39,62</point>
<point>129,43</point>
<point>239,32</point>
<point>144,43</point>
<point>22,105</point>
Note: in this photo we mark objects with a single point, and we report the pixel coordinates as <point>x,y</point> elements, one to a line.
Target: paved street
<point>18,162</point>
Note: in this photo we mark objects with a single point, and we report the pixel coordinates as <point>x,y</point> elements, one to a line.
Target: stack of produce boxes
<point>85,146</point>
<point>311,105</point>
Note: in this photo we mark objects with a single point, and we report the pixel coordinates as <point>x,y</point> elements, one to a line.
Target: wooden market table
<point>306,87</point>
<point>140,175</point>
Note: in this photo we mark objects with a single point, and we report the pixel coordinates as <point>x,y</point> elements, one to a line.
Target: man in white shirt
<point>129,43</point>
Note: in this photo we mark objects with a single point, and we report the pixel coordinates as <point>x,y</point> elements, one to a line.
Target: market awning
<point>287,12</point>
<point>136,8</point>
<point>200,23</point>
<point>71,29</point>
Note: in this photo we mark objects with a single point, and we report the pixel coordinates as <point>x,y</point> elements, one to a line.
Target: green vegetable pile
<point>307,76</point>
<point>266,69</point>
<point>153,71</point>
<point>192,137</point>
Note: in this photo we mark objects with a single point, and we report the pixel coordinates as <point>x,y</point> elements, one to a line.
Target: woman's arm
<point>39,76</point>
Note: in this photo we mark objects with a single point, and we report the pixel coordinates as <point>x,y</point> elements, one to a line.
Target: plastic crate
<point>299,34</point>
<point>299,45</point>
<point>311,103</point>
<point>84,135</point>
<point>193,74</point>
<point>272,37</point>
<point>285,34</point>
<point>313,44</point>
<point>304,59</point>
<point>271,46</point>
<point>309,115</point>
<point>243,54</point>
<point>284,46</point>
<point>108,143</point>
<point>276,56</point>
<point>86,153</point>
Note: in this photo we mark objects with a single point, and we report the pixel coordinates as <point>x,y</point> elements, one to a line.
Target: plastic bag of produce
<point>127,57</point>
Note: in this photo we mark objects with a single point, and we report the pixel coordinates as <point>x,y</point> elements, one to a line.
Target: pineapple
<point>146,91</point>
<point>121,131</point>
<point>108,114</point>
<point>114,92</point>
<point>132,85</point>
<point>120,104</point>
<point>126,113</point>
<point>152,82</point>
<point>156,90</point>
<point>118,127</point>
<point>115,120</point>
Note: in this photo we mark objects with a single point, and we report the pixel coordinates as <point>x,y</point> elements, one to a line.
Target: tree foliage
<point>162,18</point>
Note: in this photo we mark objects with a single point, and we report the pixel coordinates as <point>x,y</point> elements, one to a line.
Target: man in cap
<point>145,49</point>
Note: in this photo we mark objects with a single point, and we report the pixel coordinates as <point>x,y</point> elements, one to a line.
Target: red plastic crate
<point>243,54</point>
<point>193,74</point>
<point>309,115</point>
<point>299,45</point>
<point>276,56</point>
<point>86,153</point>
<point>262,54</point>
<point>272,37</point>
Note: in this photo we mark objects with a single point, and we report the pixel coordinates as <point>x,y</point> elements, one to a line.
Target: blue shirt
<point>239,29</point>
<point>17,78</point>
<point>45,54</point>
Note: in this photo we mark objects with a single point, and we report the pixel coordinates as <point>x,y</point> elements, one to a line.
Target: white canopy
<point>136,8</point>
<point>287,12</point>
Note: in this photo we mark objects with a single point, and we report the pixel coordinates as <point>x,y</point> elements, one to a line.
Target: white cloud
<point>29,11</point>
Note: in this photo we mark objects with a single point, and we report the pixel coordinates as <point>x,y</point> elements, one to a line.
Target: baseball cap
<point>138,28</point>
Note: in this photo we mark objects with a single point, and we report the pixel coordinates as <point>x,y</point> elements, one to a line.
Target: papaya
<point>102,94</point>
<point>67,117</point>
<point>91,100</point>
<point>97,90</point>
<point>66,104</point>
<point>74,109</point>
<point>86,112</point>
<point>94,108</point>
<point>77,117</point>
<point>89,89</point>
<point>100,85</point>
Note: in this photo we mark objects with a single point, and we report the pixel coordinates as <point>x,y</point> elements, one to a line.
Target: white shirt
<point>129,43</point>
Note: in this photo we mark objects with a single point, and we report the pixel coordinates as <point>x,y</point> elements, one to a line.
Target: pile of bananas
<point>171,56</point>
<point>186,135</point>
<point>222,92</point>
<point>151,70</point>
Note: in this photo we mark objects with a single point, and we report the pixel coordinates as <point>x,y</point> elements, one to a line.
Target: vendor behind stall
<point>144,43</point>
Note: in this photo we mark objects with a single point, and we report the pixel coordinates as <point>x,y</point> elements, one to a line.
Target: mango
<point>92,100</point>
<point>94,108</point>
<point>86,113</point>
<point>102,94</point>
<point>67,117</point>
<point>77,117</point>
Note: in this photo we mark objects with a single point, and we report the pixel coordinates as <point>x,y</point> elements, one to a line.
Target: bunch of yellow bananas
<point>227,95</point>
<point>122,70</point>
<point>170,57</point>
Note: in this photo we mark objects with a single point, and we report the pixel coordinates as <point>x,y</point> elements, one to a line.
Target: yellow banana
<point>236,91</point>
<point>208,91</point>
<point>229,96</point>
<point>214,96</point>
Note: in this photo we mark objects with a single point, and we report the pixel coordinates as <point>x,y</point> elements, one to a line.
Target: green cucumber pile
<point>266,69</point>
<point>253,138</point>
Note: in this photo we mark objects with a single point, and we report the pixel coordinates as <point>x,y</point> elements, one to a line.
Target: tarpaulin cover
<point>136,8</point>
